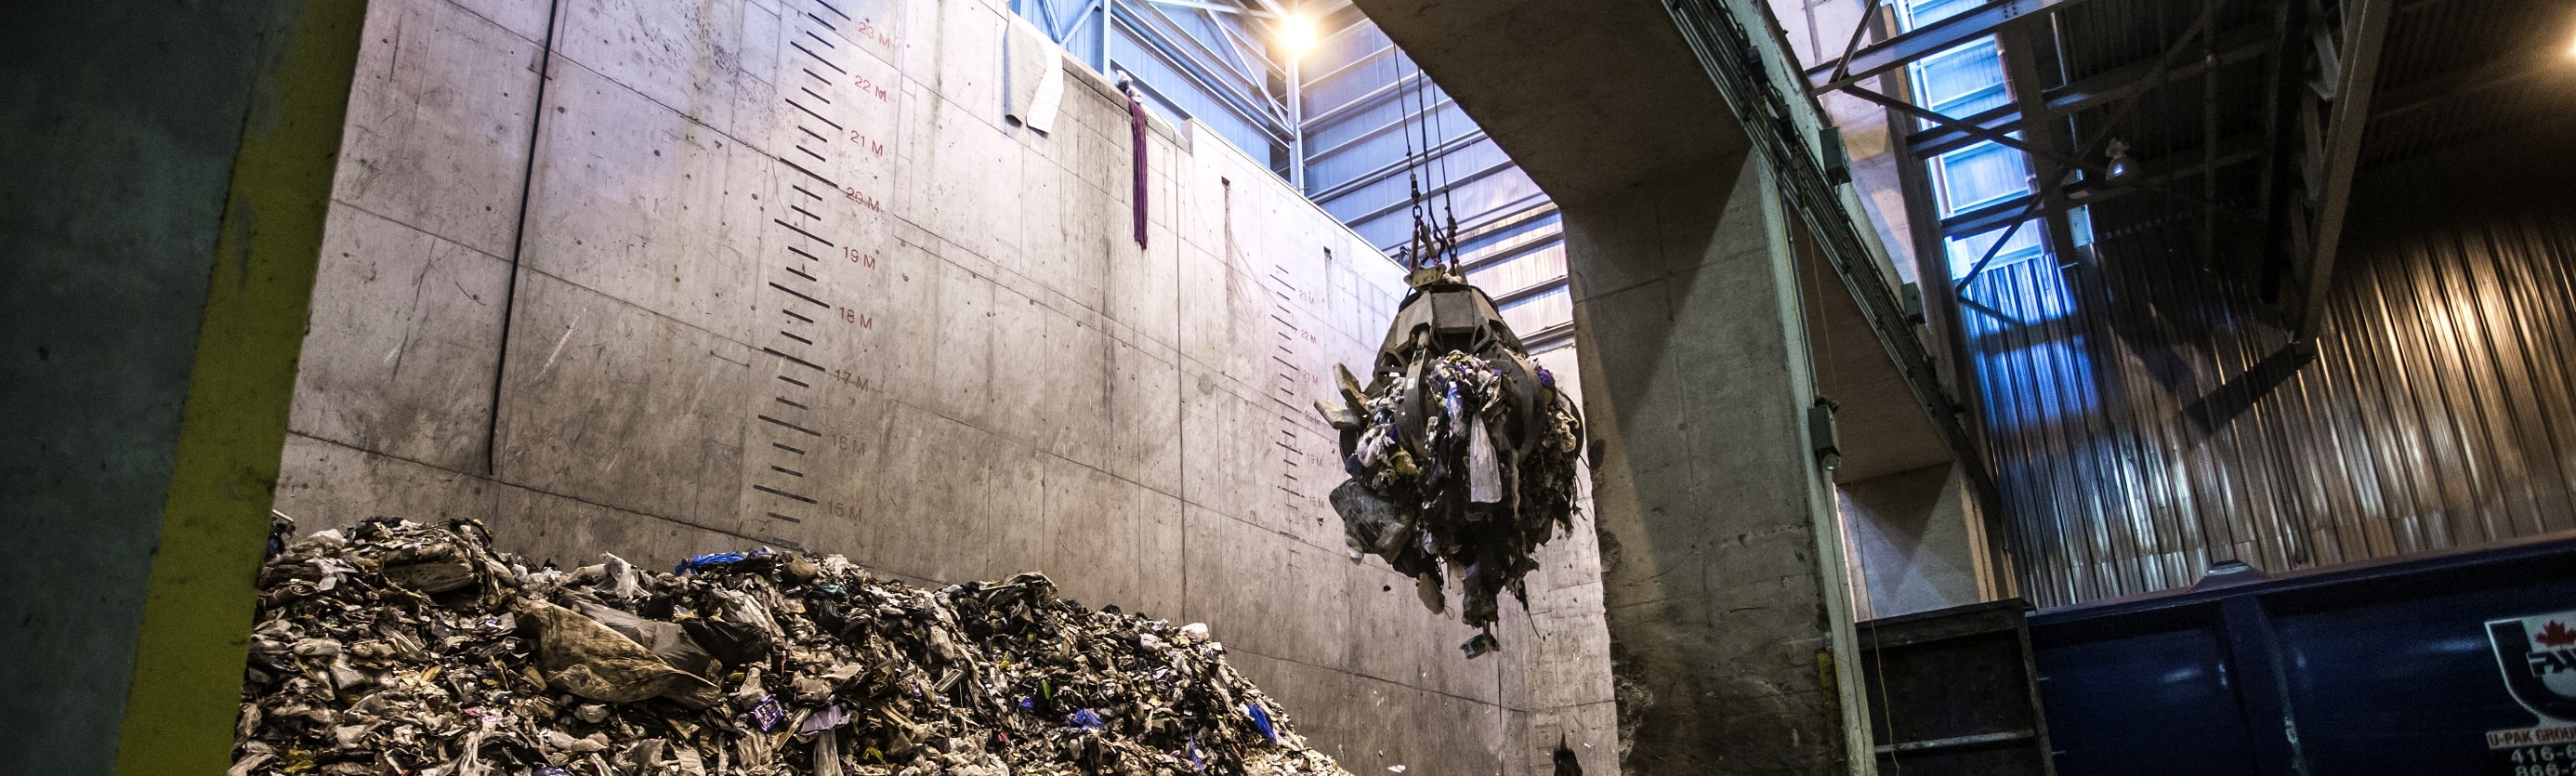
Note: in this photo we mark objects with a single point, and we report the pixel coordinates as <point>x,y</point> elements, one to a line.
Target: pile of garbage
<point>1461,451</point>
<point>393,647</point>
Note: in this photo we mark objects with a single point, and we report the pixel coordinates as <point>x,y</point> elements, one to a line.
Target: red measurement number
<point>862,141</point>
<point>853,316</point>
<point>860,258</point>
<point>862,199</point>
<point>871,31</point>
<point>846,376</point>
<point>870,88</point>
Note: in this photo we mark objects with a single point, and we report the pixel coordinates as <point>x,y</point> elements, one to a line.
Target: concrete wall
<point>785,276</point>
<point>1567,666</point>
<point>1913,539</point>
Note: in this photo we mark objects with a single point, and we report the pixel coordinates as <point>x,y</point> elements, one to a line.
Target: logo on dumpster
<point>2537,655</point>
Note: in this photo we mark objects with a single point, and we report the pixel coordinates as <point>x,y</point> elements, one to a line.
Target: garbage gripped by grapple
<point>1461,452</point>
<point>397,648</point>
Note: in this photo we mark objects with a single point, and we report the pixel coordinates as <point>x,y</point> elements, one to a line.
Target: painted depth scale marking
<point>820,231</point>
<point>1297,451</point>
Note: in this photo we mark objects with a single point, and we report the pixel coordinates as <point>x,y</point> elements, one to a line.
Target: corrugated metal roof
<point>2147,410</point>
<point>2455,71</point>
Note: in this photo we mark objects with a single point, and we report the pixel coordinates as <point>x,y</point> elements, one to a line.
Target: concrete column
<point>1915,539</point>
<point>1725,594</point>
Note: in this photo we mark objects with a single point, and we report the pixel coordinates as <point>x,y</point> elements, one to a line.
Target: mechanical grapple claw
<point>1461,451</point>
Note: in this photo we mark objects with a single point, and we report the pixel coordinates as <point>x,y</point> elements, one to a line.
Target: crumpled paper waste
<point>1462,453</point>
<point>397,648</point>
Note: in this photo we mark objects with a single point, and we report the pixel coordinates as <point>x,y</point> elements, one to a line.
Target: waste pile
<point>1461,452</point>
<point>393,647</point>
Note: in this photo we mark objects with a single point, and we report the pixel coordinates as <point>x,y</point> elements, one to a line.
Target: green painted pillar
<point>171,164</point>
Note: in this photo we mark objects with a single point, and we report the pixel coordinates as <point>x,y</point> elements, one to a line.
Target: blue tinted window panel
<point>1207,37</point>
<point>1468,197</point>
<point>1519,235</point>
<point>1537,313</point>
<point>1473,201</point>
<point>1376,115</point>
<point>1978,175</point>
<point>1350,85</point>
<point>1945,79</point>
<point>1922,12</point>
<point>1971,103</point>
<point>1544,265</point>
<point>1965,251</point>
<point>1081,26</point>
<point>1344,47</point>
<point>1386,230</point>
<point>1048,14</point>
<point>1360,202</point>
<point>1343,164</point>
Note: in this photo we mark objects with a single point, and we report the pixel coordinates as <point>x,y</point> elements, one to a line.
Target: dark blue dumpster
<point>2456,664</point>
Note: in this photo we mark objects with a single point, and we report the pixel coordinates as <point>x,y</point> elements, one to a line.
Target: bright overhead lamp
<point>1296,33</point>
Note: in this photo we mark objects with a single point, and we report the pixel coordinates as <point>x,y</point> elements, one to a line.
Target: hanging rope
<point>1136,132</point>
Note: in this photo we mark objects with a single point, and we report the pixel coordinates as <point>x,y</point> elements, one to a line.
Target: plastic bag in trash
<point>589,659</point>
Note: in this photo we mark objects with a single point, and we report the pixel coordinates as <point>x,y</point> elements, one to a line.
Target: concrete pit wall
<point>785,276</point>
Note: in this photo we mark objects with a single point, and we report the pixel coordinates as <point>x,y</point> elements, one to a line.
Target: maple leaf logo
<point>2556,634</point>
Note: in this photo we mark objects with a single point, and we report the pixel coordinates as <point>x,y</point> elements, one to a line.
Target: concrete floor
<point>786,276</point>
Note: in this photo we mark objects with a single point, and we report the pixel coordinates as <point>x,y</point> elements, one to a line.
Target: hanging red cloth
<point>1136,125</point>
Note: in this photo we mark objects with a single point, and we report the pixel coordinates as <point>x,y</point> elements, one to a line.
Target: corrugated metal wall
<point>2148,416</point>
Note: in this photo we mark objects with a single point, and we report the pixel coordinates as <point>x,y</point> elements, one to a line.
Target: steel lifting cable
<point>1446,186</point>
<point>1413,168</point>
<point>1418,120</point>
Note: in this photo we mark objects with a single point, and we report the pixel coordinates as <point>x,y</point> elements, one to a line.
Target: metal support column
<point>2365,27</point>
<point>1296,121</point>
<point>1108,15</point>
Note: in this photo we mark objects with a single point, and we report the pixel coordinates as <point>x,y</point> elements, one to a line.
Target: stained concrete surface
<point>1589,98</point>
<point>1912,536</point>
<point>1719,560</point>
<point>787,277</point>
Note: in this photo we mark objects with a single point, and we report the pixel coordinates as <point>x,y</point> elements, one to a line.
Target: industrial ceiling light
<point>1297,33</point>
<point>2121,164</point>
